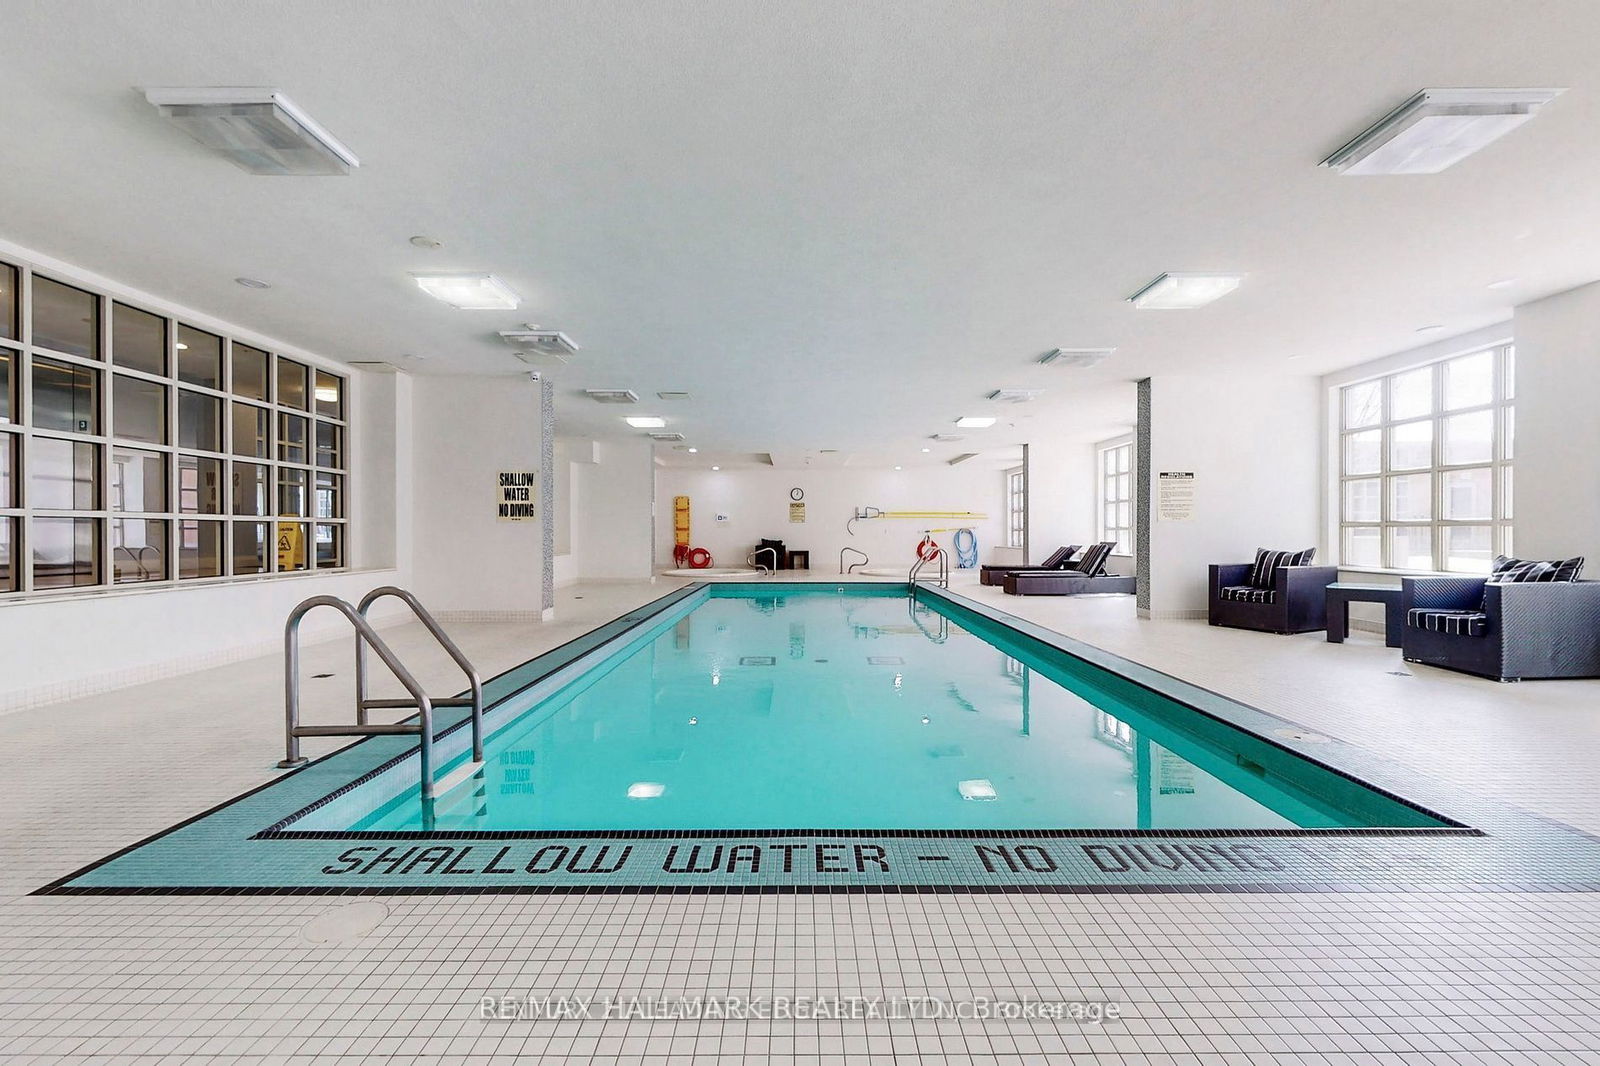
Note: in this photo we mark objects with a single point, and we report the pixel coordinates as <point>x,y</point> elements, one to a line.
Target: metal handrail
<point>751,560</point>
<point>432,626</point>
<point>864,559</point>
<point>944,623</point>
<point>916,568</point>
<point>293,730</point>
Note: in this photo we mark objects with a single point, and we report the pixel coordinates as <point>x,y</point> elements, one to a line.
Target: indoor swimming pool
<point>856,707</point>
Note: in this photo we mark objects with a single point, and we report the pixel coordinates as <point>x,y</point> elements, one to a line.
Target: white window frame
<point>1016,506</point>
<point>1114,486</point>
<point>20,511</point>
<point>1502,409</point>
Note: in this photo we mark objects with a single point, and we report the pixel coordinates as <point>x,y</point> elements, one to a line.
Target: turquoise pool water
<point>856,708</point>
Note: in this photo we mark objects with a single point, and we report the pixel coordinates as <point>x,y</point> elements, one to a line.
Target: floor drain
<point>1300,735</point>
<point>321,675</point>
<point>340,924</point>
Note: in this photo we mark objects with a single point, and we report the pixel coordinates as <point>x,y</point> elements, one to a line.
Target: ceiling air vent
<point>963,457</point>
<point>673,395</point>
<point>612,395</point>
<point>535,345</point>
<point>1014,395</point>
<point>667,436</point>
<point>1076,357</point>
<point>947,438</point>
<point>258,130</point>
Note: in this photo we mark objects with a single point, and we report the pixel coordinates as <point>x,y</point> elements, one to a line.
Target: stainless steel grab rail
<point>366,637</point>
<point>751,560</point>
<point>432,626</point>
<point>916,569</point>
<point>851,569</point>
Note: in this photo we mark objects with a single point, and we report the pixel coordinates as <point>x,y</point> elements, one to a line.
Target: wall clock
<point>797,494</point>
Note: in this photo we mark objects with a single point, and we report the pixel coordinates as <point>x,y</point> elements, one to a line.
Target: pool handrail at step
<point>916,569</point>
<point>366,637</point>
<point>475,683</point>
<point>852,567</point>
<point>750,560</point>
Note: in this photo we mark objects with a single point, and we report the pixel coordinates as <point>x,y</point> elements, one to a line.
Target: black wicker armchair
<point>1511,631</point>
<point>1297,602</point>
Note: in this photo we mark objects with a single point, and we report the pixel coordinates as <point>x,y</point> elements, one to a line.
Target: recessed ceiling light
<point>1436,129</point>
<point>1184,292</point>
<point>1429,329</point>
<point>1076,357</point>
<point>693,451</point>
<point>1503,283</point>
<point>899,468</point>
<point>646,421</point>
<point>259,130</point>
<point>611,395</point>
<point>925,450</point>
<point>469,292</point>
<point>716,468</point>
<point>252,283</point>
<point>975,422</point>
<point>426,243</point>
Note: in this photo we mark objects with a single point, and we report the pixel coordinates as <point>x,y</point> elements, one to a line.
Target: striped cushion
<point>1094,558</point>
<point>1264,574</point>
<point>1249,594</point>
<point>1507,570</point>
<point>1454,623</point>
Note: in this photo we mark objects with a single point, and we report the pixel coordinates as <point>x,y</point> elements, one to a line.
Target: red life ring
<point>927,549</point>
<point>699,558</point>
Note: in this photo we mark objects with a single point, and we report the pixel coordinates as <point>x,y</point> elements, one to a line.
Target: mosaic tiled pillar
<point>1143,500</point>
<point>547,496</point>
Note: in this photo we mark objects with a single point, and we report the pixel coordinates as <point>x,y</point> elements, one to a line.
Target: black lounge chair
<point>1059,559</point>
<point>1505,631</point>
<point>1293,600</point>
<point>1085,577</point>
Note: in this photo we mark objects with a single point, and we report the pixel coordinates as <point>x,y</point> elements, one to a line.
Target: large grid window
<point>1016,507</point>
<point>139,449</point>
<point>1425,465</point>
<point>1116,495</point>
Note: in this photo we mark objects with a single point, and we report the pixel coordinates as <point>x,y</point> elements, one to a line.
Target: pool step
<point>455,778</point>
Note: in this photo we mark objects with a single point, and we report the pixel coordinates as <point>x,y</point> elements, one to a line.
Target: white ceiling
<point>837,224</point>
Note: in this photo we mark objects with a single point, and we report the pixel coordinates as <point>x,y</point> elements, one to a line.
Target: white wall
<point>1061,491</point>
<point>1557,505</point>
<point>611,502</point>
<point>1254,447</point>
<point>756,502</point>
<point>468,429</point>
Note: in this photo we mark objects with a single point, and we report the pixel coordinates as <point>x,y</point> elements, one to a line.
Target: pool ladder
<point>916,570</point>
<point>367,637</point>
<point>752,560</point>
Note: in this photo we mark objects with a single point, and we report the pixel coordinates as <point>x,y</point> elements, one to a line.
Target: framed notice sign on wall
<point>517,496</point>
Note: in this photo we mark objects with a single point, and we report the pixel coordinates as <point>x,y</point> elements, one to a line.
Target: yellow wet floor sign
<point>291,546</point>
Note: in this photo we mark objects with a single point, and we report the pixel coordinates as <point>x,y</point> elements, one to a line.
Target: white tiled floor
<point>1202,978</point>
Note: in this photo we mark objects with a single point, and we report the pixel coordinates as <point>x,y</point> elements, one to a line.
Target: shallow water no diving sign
<point>515,497</point>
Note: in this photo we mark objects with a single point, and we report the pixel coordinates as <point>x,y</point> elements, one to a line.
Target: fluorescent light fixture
<point>673,395</point>
<point>977,790</point>
<point>646,421</point>
<point>975,422</point>
<point>925,451</point>
<point>963,457</point>
<point>1076,357</point>
<point>899,468</point>
<point>1436,129</point>
<point>645,790</point>
<point>469,292</point>
<point>666,436</point>
<point>1182,292</point>
<point>259,130</point>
